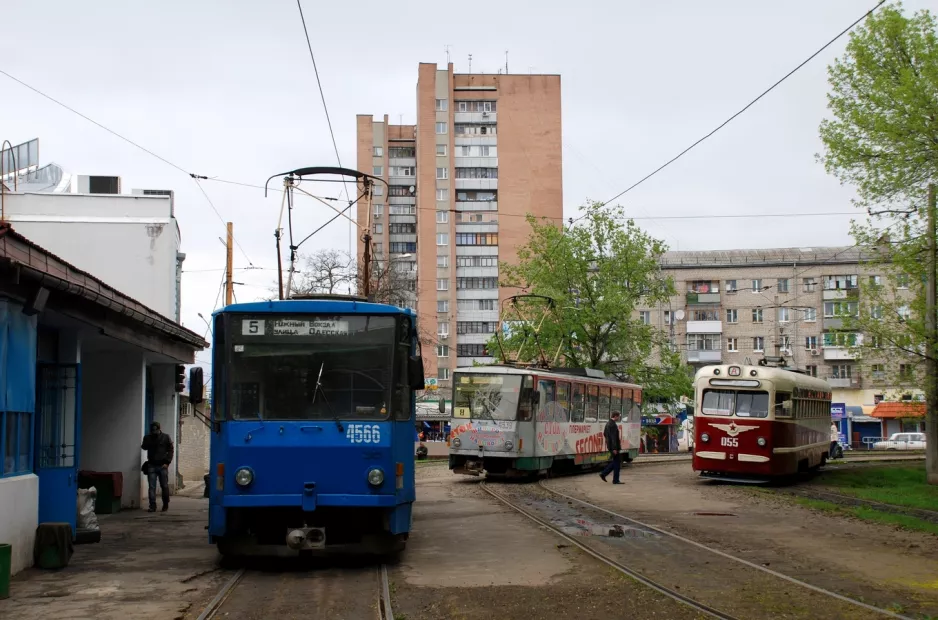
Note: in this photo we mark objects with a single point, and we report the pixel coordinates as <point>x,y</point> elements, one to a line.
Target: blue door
<point>58,409</point>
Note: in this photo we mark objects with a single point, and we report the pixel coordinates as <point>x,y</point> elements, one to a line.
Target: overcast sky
<point>227,89</point>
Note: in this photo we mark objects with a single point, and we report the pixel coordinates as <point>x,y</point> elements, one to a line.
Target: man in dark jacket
<point>159,449</point>
<point>611,433</point>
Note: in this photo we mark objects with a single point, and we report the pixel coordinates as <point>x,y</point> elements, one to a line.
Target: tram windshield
<point>486,397</point>
<point>744,404</point>
<point>315,367</point>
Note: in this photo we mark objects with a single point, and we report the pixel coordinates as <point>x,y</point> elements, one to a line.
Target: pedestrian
<point>835,439</point>
<point>611,433</point>
<point>159,449</point>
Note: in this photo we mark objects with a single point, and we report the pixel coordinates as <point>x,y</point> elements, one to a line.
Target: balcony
<point>702,356</point>
<point>705,327</point>
<point>839,353</point>
<point>475,118</point>
<point>703,298</point>
<point>839,293</point>
<point>402,161</point>
<point>476,184</point>
<point>844,382</point>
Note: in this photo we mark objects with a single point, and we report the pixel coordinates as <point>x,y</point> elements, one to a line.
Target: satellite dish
<point>679,315</point>
<point>412,189</point>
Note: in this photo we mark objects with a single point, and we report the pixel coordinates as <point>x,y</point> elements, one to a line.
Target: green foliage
<point>902,486</point>
<point>597,273</point>
<point>883,139</point>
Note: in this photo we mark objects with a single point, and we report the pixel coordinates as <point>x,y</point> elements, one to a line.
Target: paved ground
<point>146,566</point>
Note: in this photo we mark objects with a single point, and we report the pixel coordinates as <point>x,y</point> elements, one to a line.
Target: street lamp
<point>208,325</point>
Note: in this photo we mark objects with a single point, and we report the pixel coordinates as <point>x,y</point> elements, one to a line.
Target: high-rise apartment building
<point>485,152</point>
<point>737,306</point>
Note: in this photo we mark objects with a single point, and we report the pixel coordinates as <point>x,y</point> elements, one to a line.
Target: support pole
<point>366,266</point>
<point>931,346</point>
<point>229,284</point>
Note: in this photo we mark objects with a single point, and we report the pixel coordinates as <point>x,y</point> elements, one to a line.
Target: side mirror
<point>442,405</point>
<point>415,373</point>
<point>196,385</point>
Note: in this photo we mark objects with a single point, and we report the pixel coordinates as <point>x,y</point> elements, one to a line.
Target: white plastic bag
<point>87,519</point>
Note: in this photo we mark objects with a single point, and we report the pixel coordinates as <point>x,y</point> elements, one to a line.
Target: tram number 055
<point>729,442</point>
<point>363,433</point>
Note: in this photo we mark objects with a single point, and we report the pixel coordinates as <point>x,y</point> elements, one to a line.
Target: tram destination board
<point>294,327</point>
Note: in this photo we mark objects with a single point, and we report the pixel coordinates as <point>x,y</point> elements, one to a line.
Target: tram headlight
<point>761,441</point>
<point>375,477</point>
<point>704,437</point>
<point>509,445</point>
<point>244,476</point>
<point>456,442</point>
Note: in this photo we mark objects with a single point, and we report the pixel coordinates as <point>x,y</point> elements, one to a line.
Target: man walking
<point>159,449</point>
<point>611,433</point>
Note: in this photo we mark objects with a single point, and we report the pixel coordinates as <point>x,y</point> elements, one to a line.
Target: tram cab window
<point>615,403</point>
<point>783,404</point>
<point>731,402</point>
<point>626,404</point>
<point>603,404</point>
<point>526,398</point>
<point>563,401</point>
<point>579,403</point>
<point>752,404</point>
<point>592,403</point>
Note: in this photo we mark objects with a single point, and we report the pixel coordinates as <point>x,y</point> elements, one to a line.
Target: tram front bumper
<point>299,500</point>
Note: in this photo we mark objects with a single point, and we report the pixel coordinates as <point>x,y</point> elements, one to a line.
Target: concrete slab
<point>463,538</point>
<point>146,566</point>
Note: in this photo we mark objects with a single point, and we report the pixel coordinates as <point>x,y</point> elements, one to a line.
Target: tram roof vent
<point>581,372</point>
<point>326,296</point>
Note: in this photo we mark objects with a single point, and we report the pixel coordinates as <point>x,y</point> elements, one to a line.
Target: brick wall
<point>193,448</point>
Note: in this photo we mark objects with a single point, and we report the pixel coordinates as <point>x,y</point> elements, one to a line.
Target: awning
<point>902,409</point>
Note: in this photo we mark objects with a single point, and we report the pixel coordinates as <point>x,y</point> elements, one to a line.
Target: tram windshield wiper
<point>319,390</point>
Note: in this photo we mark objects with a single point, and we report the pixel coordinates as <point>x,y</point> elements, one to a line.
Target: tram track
<point>340,593</point>
<point>855,605</point>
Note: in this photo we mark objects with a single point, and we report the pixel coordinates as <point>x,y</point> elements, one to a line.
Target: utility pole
<point>931,346</point>
<point>229,284</point>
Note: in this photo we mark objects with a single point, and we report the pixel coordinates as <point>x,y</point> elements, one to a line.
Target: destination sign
<point>290,327</point>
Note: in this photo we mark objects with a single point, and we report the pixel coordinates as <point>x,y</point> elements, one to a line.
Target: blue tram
<point>312,426</point>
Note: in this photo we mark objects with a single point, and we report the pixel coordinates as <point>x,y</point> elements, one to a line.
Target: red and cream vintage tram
<point>519,421</point>
<point>756,423</point>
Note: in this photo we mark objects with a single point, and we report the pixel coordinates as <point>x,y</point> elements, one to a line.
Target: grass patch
<point>899,485</point>
<point>869,514</point>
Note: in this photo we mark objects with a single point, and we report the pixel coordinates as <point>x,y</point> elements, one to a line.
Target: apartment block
<point>738,306</point>
<point>484,153</point>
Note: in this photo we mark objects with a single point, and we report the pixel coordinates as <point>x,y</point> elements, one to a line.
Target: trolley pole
<point>366,266</point>
<point>931,344</point>
<point>229,284</point>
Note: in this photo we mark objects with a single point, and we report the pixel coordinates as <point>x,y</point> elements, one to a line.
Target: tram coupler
<point>306,538</point>
<point>470,468</point>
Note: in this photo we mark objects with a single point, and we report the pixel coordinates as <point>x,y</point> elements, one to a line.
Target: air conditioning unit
<point>443,336</point>
<point>484,114</point>
<point>814,352</point>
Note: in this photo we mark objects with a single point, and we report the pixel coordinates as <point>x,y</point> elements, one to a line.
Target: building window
<point>835,309</point>
<point>441,105</point>
<point>442,350</point>
<point>731,286</point>
<point>477,261</point>
<point>442,261</point>
<point>378,190</point>
<point>879,372</point>
<point>379,151</point>
<point>904,312</point>
<point>841,371</point>
<point>476,283</point>
<point>442,305</point>
<point>442,238</point>
<point>441,150</point>
<point>705,314</point>
<point>732,316</point>
<point>757,315</point>
<point>667,317</point>
<point>840,339</point>
<point>442,217</point>
<point>402,247</point>
<point>783,315</point>
<point>16,443</point>
<point>758,344</point>
<point>379,209</point>
<point>810,343</point>
<point>377,171</point>
<point>476,173</point>
<point>876,312</point>
<point>441,128</point>
<point>875,280</point>
<point>476,327</point>
<point>645,317</point>
<point>811,370</point>
<point>756,286</point>
<point>876,342</point>
<point>402,171</point>
<point>379,228</point>
<point>810,285</point>
<point>377,247</point>
<point>442,284</point>
<point>471,350</point>
<point>476,238</point>
<point>402,151</point>
<point>810,315</point>
<point>442,173</point>
<point>442,374</point>
<point>783,285</point>
<point>442,194</point>
<point>732,345</point>
<point>402,229</point>
<point>902,280</point>
<point>703,342</point>
<point>786,344</point>
<point>905,372</point>
<point>840,283</point>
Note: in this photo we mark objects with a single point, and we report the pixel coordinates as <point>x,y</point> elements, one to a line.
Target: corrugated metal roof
<point>769,256</point>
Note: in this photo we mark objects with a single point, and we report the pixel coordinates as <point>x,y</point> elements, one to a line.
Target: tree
<point>883,139</point>
<point>597,273</point>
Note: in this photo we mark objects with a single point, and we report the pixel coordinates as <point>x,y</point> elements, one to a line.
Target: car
<point>902,441</point>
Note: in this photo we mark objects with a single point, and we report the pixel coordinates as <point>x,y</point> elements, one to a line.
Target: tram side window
<point>782,404</point>
<point>526,398</point>
<point>592,403</point>
<point>636,405</point>
<point>546,390</point>
<point>603,404</point>
<point>563,399</point>
<point>626,405</point>
<point>578,402</point>
<point>615,403</point>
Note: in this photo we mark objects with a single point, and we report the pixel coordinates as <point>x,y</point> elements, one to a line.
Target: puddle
<point>572,522</point>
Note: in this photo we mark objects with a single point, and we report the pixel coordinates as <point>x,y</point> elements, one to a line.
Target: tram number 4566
<point>363,433</point>
<point>729,442</point>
